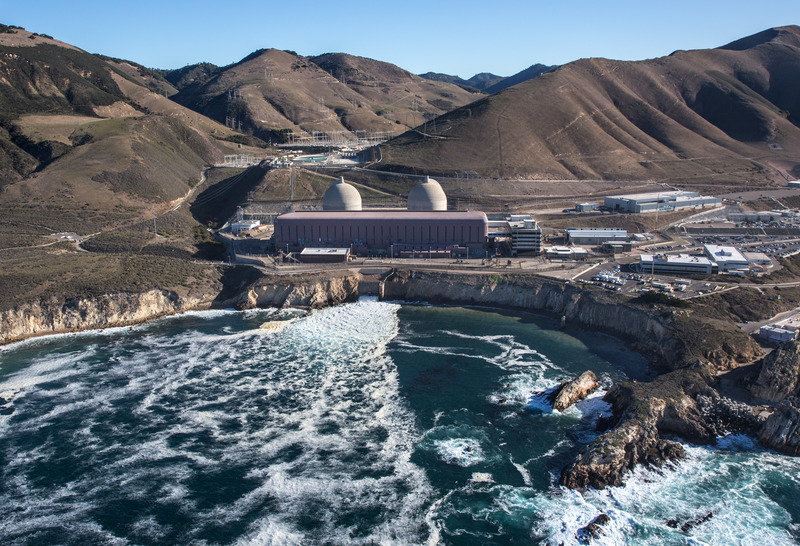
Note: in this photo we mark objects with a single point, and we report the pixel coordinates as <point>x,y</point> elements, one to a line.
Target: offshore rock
<point>781,431</point>
<point>593,530</point>
<point>570,392</point>
<point>780,374</point>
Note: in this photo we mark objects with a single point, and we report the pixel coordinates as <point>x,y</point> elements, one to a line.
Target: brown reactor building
<point>426,226</point>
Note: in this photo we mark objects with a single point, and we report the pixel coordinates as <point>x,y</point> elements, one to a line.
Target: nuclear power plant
<point>424,226</point>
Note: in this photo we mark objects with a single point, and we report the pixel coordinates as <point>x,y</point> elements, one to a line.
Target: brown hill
<point>727,116</point>
<point>271,92</point>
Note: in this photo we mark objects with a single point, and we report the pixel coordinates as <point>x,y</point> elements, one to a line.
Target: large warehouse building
<point>651,202</point>
<point>426,225</point>
<point>595,236</point>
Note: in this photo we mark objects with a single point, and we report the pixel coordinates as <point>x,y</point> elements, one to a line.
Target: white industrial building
<point>523,231</point>
<point>777,334</point>
<point>666,201</point>
<point>587,207</point>
<point>526,235</point>
<point>727,258</point>
<point>715,259</point>
<point>244,225</point>
<point>567,253</point>
<point>682,264</point>
<point>758,258</point>
<point>595,236</point>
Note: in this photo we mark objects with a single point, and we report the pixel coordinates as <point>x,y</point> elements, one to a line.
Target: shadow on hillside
<point>217,203</point>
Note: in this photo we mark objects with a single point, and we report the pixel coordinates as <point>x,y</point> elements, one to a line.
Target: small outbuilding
<point>325,255</point>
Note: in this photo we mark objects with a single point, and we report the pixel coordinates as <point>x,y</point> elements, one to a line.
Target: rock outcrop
<point>779,377</point>
<point>593,530</point>
<point>645,411</point>
<point>570,392</point>
<point>726,416</point>
<point>301,291</point>
<point>782,429</point>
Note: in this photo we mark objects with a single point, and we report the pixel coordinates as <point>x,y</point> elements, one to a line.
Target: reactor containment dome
<point>341,196</point>
<point>427,196</point>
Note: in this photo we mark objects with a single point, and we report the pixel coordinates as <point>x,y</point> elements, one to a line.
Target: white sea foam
<point>526,476</point>
<point>460,451</point>
<point>311,424</point>
<point>308,403</point>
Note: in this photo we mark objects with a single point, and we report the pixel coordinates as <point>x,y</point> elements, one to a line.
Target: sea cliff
<point>674,339</point>
<point>54,315</point>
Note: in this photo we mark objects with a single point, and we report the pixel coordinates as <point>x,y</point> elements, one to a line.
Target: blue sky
<point>463,38</point>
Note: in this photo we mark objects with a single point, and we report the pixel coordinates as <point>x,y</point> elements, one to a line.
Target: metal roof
<point>374,214</point>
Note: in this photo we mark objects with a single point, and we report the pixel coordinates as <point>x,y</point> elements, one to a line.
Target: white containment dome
<point>427,196</point>
<point>341,196</point>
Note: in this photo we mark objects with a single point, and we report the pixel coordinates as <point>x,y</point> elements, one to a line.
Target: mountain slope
<point>271,92</point>
<point>529,73</point>
<point>729,115</point>
<point>87,146</point>
<point>478,81</point>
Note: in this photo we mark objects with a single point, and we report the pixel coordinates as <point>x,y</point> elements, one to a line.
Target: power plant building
<point>426,225</point>
<point>526,235</point>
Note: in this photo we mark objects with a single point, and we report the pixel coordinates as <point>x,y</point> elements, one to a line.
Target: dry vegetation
<point>280,90</point>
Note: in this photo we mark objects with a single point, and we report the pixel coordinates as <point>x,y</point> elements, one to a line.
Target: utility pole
<point>155,230</point>
<point>291,186</point>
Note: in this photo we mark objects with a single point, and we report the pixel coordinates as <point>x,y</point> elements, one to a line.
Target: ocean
<point>365,423</point>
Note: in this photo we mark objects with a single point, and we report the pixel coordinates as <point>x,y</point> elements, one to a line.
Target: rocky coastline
<point>682,403</point>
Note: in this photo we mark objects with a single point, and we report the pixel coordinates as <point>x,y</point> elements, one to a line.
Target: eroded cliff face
<point>118,309</point>
<point>672,338</point>
<point>779,377</point>
<point>54,315</point>
<point>782,429</point>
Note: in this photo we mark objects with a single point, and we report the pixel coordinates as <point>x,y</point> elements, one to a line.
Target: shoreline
<point>684,364</point>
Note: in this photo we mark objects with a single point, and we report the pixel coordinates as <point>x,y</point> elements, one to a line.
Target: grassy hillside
<point>91,145</point>
<point>719,117</point>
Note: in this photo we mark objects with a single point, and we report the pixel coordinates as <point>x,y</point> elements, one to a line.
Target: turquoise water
<point>366,423</point>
